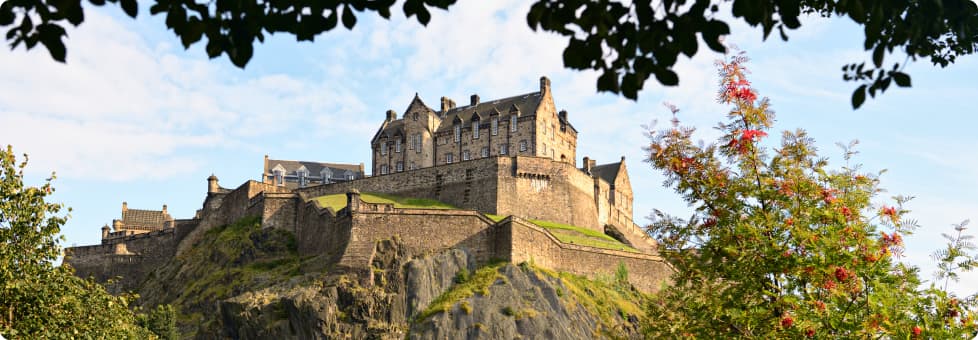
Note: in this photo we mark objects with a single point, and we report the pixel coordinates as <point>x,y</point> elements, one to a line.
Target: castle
<point>507,166</point>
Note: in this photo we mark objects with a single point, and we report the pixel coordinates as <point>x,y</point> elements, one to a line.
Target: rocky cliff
<point>244,282</point>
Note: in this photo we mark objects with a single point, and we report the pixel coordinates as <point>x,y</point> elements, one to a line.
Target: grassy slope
<point>338,201</point>
<point>582,236</point>
<point>609,299</point>
<point>229,260</point>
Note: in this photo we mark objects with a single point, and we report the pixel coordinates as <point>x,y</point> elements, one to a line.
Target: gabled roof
<point>417,105</point>
<point>315,168</point>
<point>525,103</point>
<point>607,172</point>
<point>144,218</point>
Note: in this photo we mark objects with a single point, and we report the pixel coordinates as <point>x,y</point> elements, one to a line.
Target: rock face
<point>247,283</point>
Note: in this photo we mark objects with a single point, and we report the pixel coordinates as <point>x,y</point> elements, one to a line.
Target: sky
<point>133,116</point>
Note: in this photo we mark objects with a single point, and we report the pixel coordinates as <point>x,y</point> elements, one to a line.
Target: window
<point>522,146</point>
<point>383,169</point>
<point>485,151</point>
<point>449,158</point>
<point>512,123</point>
<point>383,148</point>
<point>411,166</point>
<point>279,178</point>
<point>553,129</point>
<point>350,175</point>
<point>465,155</point>
<point>415,116</point>
<point>458,133</point>
<point>400,166</point>
<point>302,178</point>
<point>397,145</point>
<point>544,149</point>
<point>326,174</point>
<point>417,142</point>
<point>503,149</point>
<point>475,130</point>
<point>494,126</point>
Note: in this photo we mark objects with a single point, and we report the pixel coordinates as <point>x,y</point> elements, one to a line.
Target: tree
<point>37,298</point>
<point>626,41</point>
<point>782,246</point>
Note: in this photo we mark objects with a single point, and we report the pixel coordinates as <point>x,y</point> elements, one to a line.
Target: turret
<point>105,231</point>
<point>212,187</point>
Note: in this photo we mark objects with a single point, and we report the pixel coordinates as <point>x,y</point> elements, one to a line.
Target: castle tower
<point>212,186</point>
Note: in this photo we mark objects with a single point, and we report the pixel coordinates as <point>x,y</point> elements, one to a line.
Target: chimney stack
<point>105,232</point>
<point>544,84</point>
<point>125,207</point>
<point>475,100</point>
<point>391,115</point>
<point>587,165</point>
<point>446,104</point>
<point>164,208</point>
<point>563,115</point>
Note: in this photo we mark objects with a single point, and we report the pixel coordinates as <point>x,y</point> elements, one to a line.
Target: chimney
<point>544,84</point>
<point>360,175</point>
<point>587,165</point>
<point>475,100</point>
<point>125,207</point>
<point>105,232</point>
<point>451,104</point>
<point>164,208</point>
<point>563,115</point>
<point>446,104</point>
<point>591,163</point>
<point>391,115</point>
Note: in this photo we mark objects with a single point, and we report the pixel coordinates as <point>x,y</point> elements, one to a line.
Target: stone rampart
<point>522,241</point>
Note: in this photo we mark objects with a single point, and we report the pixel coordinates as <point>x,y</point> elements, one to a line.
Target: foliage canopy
<point>782,246</point>
<point>38,299</point>
<point>626,41</point>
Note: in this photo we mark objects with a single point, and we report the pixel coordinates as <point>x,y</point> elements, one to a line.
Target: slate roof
<point>607,172</point>
<point>144,218</point>
<point>526,103</point>
<point>314,167</point>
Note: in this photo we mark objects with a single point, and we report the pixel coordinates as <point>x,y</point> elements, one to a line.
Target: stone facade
<point>525,125</point>
<point>137,221</point>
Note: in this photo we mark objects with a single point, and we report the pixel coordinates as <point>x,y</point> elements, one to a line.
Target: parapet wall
<point>527,242</point>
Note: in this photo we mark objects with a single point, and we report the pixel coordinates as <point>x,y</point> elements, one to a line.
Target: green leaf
<point>130,7</point>
<point>901,79</point>
<point>667,77</point>
<point>858,97</point>
<point>349,20</point>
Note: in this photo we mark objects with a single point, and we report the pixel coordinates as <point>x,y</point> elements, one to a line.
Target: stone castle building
<point>522,125</point>
<point>137,221</point>
<point>510,158</point>
<point>300,174</point>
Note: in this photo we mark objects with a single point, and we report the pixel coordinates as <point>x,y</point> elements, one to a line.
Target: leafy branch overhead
<point>626,41</point>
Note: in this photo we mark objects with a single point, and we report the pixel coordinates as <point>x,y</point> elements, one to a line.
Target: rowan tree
<point>626,41</point>
<point>781,245</point>
<point>38,299</point>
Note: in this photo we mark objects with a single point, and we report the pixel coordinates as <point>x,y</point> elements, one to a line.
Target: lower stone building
<point>137,221</point>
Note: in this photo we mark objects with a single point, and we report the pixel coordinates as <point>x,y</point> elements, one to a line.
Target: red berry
<point>787,321</point>
<point>810,333</point>
<point>841,274</point>
<point>916,330</point>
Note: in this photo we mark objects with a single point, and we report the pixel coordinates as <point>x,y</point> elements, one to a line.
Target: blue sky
<point>134,117</point>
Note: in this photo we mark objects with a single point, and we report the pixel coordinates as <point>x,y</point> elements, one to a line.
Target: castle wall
<point>469,185</point>
<point>321,230</point>
<point>131,258</point>
<point>427,230</point>
<point>539,188</point>
<point>529,243</point>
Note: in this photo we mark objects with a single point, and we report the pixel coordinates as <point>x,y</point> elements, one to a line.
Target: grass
<point>582,236</point>
<point>610,301</point>
<point>338,201</point>
<point>495,218</point>
<point>478,282</point>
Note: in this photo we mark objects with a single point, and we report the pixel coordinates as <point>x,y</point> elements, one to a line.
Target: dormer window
<point>350,175</point>
<point>494,126</point>
<point>512,123</point>
<point>475,130</point>
<point>326,174</point>
<point>279,177</point>
<point>383,148</point>
<point>458,133</point>
<point>397,145</point>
